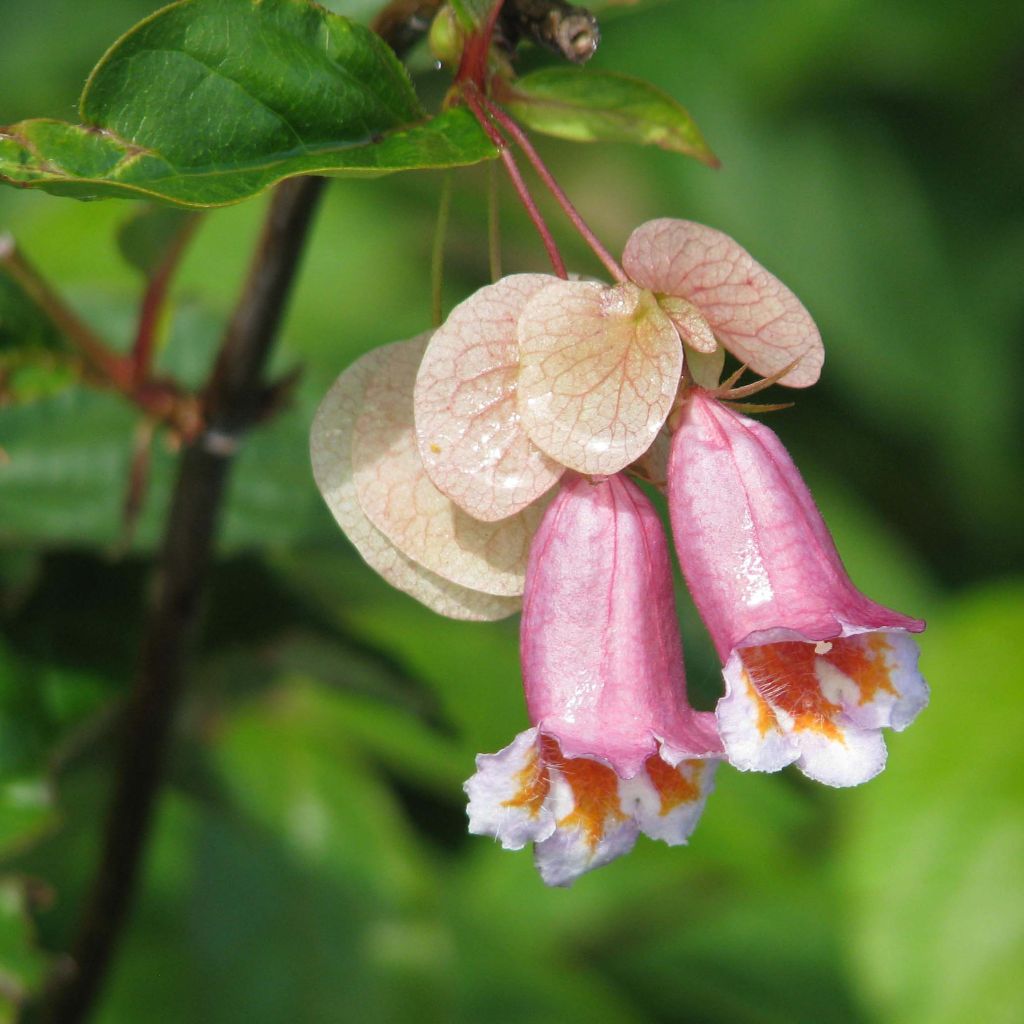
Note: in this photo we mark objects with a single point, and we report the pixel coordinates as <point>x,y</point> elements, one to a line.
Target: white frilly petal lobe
<point>577,811</point>
<point>566,855</point>
<point>856,758</point>
<point>672,824</point>
<point>493,790</point>
<point>865,681</point>
<point>753,742</point>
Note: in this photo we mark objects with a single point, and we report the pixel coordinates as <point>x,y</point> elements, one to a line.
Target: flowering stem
<point>161,399</point>
<point>523,141</point>
<point>473,101</point>
<point>473,65</point>
<point>437,251</point>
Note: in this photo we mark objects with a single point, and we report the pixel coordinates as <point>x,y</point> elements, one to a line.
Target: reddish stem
<point>153,303</point>
<point>473,65</point>
<point>521,139</point>
<point>475,104</point>
<point>160,398</point>
<point>105,362</point>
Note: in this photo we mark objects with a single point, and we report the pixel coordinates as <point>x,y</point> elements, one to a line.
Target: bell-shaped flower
<point>367,465</point>
<point>717,294</point>
<point>813,668</point>
<point>614,748</point>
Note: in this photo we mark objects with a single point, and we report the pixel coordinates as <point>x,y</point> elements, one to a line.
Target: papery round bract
<point>331,454</point>
<point>471,440</point>
<point>752,313</point>
<point>599,370</point>
<point>401,501</point>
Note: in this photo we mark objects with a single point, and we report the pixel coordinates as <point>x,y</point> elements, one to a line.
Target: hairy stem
<point>493,223</point>
<point>233,398</point>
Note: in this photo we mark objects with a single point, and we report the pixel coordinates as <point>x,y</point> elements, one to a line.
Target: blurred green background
<point>310,861</point>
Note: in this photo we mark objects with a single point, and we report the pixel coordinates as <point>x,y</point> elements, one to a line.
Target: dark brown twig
<point>232,400</point>
<point>560,27</point>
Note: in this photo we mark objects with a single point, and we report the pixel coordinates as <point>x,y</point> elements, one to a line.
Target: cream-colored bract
<point>331,452</point>
<point>401,501</point>
<point>471,440</point>
<point>752,313</point>
<point>599,370</point>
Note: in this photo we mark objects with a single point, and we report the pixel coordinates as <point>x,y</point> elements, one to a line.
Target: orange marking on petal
<point>784,675</point>
<point>534,779</point>
<point>673,787</point>
<point>863,659</point>
<point>766,721</point>
<point>595,789</point>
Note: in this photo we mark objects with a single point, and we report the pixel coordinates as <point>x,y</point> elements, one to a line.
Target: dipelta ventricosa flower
<point>439,456</point>
<point>813,668</point>
<point>614,748</point>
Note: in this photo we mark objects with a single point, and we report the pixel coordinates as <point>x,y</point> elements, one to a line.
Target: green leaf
<point>601,106</point>
<point>209,102</point>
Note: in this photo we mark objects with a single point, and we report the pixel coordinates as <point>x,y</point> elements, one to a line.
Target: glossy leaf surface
<point>601,106</point>
<point>209,102</point>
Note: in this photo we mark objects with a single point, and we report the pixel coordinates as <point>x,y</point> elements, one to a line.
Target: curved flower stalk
<point>813,668</point>
<point>614,748</point>
<point>533,374</point>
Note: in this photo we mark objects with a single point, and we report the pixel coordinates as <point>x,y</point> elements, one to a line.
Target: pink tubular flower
<point>615,749</point>
<point>813,669</point>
